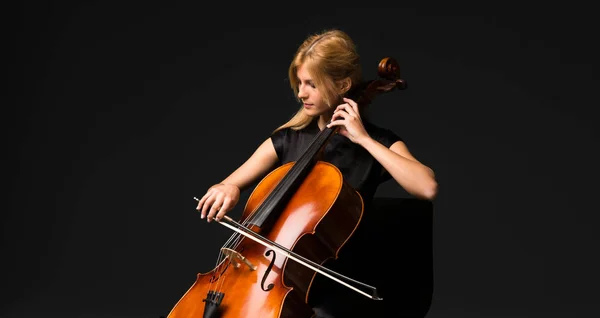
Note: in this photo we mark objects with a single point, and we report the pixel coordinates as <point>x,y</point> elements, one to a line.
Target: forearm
<point>242,178</point>
<point>416,178</point>
<point>261,162</point>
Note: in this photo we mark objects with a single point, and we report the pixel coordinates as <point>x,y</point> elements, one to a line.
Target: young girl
<point>323,73</point>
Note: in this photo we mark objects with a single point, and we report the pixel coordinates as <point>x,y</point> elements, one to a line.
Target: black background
<point>125,111</point>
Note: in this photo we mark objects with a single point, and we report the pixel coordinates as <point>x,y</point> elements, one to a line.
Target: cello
<point>298,216</point>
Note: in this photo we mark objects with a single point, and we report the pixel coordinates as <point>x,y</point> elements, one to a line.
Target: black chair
<point>392,251</point>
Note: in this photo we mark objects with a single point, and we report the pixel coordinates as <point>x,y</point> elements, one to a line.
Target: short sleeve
<point>387,138</point>
<point>278,139</point>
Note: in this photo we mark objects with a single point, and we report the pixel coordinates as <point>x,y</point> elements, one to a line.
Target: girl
<point>323,74</point>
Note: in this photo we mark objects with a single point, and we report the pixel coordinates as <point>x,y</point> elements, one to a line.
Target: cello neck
<point>389,73</point>
<point>264,215</point>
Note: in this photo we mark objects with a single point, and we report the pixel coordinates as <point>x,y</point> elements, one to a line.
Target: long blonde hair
<point>329,56</point>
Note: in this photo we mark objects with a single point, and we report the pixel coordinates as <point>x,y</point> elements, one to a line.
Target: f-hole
<point>262,284</point>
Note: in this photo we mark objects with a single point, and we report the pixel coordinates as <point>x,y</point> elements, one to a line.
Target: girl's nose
<point>302,94</point>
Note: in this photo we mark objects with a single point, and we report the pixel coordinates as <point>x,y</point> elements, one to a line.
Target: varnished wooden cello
<point>302,211</point>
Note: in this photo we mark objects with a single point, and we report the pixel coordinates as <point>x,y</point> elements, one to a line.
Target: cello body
<point>316,222</point>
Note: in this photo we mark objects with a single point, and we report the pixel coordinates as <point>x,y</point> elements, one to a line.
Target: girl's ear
<point>344,85</point>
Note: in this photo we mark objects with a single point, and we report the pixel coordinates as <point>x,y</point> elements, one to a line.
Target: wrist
<point>366,141</point>
<point>230,184</point>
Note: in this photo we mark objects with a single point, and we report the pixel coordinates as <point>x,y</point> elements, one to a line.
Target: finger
<point>350,102</point>
<point>208,194</point>
<point>214,208</point>
<point>224,209</point>
<point>351,110</point>
<point>212,212</point>
<point>202,200</point>
<point>353,105</point>
<point>339,114</point>
<point>206,206</point>
<point>347,108</point>
<point>335,123</point>
<point>342,107</point>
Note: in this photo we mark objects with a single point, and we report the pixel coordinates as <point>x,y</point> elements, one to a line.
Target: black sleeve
<point>278,139</point>
<point>387,138</point>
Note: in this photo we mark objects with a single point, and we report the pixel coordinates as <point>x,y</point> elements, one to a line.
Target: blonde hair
<point>329,57</point>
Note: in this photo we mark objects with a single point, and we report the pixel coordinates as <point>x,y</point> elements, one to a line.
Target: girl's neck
<point>324,119</point>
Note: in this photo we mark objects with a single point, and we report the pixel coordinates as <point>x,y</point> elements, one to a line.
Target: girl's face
<point>314,105</point>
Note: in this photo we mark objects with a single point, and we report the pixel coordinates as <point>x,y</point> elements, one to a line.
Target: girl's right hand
<point>218,200</point>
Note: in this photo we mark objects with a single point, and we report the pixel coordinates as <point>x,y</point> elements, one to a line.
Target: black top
<point>363,172</point>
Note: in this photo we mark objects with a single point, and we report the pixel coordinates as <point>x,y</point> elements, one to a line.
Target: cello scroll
<point>389,72</point>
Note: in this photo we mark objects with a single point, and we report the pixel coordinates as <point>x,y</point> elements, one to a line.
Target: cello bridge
<point>236,258</point>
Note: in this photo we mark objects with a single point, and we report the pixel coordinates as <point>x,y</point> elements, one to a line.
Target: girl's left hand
<point>346,115</point>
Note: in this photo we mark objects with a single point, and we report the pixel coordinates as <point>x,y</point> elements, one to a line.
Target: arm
<point>415,177</point>
<point>262,160</point>
<point>224,196</point>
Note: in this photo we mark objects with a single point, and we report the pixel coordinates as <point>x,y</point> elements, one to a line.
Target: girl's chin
<point>313,112</point>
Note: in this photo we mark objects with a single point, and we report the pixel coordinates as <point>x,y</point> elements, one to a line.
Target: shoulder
<point>383,135</point>
<point>286,141</point>
<point>282,134</point>
<point>279,139</point>
<point>289,132</point>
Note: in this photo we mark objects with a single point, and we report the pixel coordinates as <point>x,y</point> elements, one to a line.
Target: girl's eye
<point>309,84</point>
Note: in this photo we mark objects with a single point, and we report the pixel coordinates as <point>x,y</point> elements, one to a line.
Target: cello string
<point>284,182</point>
<point>280,187</point>
<point>220,258</point>
<point>235,240</point>
<point>221,274</point>
<point>232,243</point>
<point>217,273</point>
